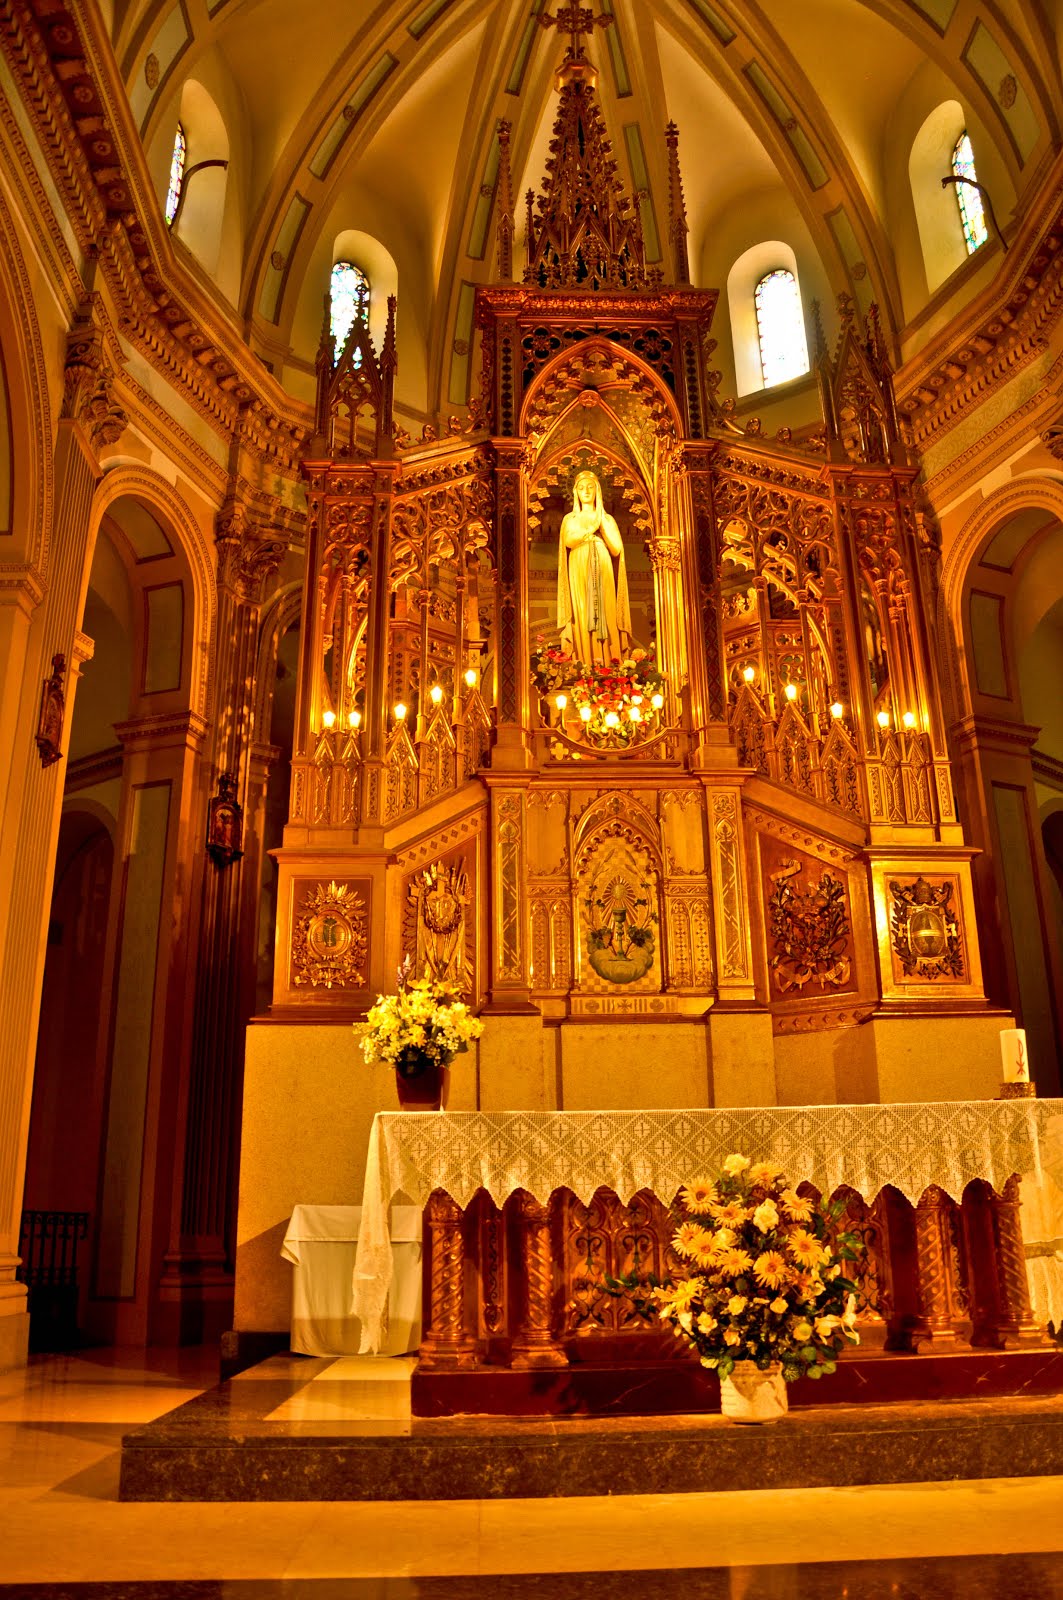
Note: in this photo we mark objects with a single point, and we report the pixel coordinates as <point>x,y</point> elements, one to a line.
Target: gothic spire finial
<point>677,211</point>
<point>505,205</point>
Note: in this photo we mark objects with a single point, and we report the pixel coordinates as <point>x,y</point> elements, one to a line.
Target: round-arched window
<point>969,200</point>
<point>349,295</point>
<point>177,175</point>
<point>780,327</point>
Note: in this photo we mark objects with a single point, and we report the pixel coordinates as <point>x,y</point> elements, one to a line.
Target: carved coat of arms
<point>924,930</point>
<point>809,931</point>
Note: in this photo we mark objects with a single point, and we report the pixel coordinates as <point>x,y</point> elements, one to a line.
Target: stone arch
<point>139,484</point>
<point>28,429</point>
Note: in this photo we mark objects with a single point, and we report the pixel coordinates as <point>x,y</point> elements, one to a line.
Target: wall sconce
<point>883,719</point>
<point>837,711</point>
<point>399,712</point>
<point>329,719</point>
<point>436,694</point>
<point>909,719</point>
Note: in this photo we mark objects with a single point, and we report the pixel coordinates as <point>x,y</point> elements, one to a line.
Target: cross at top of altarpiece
<point>576,21</point>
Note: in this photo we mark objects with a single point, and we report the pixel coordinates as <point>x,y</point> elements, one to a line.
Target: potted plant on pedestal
<point>418,1030</point>
<point>767,1297</point>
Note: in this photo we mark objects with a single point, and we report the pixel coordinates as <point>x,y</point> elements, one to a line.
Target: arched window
<point>780,327</point>
<point>177,173</point>
<point>349,298</point>
<point>972,214</point>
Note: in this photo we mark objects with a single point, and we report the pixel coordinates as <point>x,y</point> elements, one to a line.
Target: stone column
<point>40,612</point>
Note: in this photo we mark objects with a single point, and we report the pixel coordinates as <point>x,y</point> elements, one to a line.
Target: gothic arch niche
<point>618,907</point>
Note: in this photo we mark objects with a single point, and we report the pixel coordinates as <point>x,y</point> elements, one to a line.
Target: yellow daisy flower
<point>696,1196</point>
<point>798,1207</point>
<point>770,1268</point>
<point>805,1248</point>
<point>689,1238</point>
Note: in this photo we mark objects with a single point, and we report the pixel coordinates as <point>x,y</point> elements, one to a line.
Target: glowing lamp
<point>354,718</point>
<point>436,694</point>
<point>790,691</point>
<point>585,713</point>
<point>470,677</point>
<point>328,718</point>
<point>399,712</point>
<point>612,720</point>
<point>909,719</point>
<point>635,714</point>
<point>561,701</point>
<point>837,711</point>
<point>749,673</point>
<point>883,719</point>
<point>636,699</point>
<point>657,701</point>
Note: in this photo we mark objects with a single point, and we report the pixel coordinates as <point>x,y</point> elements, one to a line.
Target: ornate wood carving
<point>534,1344</point>
<point>448,1342</point>
<point>941,1274</point>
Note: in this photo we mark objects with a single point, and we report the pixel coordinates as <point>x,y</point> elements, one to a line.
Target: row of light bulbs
<point>837,710</point>
<point>612,718</point>
<point>399,710</point>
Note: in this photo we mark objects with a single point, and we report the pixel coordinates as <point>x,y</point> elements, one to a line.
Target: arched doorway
<point>1006,605</point>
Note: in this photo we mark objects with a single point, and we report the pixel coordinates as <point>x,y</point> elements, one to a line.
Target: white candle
<point>1015,1059</point>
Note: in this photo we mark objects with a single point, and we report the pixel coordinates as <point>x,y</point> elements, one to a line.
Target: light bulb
<point>585,713</point>
<point>791,691</point>
<point>837,711</point>
<point>561,701</point>
<point>436,694</point>
<point>399,712</point>
<point>470,677</point>
<point>636,699</point>
<point>883,719</point>
<point>328,718</point>
<point>749,673</point>
<point>657,701</point>
<point>909,719</point>
<point>611,719</point>
<point>635,714</point>
<point>354,718</point>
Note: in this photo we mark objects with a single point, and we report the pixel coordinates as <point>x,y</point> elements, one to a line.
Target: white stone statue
<point>593,612</point>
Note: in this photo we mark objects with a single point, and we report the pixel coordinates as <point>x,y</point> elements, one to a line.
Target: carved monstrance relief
<point>618,903</point>
<point>330,944</point>
<point>925,932</point>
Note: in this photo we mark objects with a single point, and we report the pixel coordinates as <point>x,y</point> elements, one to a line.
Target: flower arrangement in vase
<point>418,1030</point>
<point>767,1297</point>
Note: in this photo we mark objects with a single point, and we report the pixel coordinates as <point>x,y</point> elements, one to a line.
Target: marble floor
<point>64,1532</point>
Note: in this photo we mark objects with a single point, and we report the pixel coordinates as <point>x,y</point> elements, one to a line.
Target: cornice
<point>1001,332</point>
<point>82,119</point>
<point>1047,769</point>
<point>99,767</point>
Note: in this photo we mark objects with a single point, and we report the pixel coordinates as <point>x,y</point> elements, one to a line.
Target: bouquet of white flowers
<point>424,1024</point>
<point>768,1277</point>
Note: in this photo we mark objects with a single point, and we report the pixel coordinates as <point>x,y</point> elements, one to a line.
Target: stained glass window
<point>177,173</point>
<point>972,213</point>
<point>780,327</point>
<point>349,291</point>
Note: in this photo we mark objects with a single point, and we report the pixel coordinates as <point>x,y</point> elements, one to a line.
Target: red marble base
<point>669,1388</point>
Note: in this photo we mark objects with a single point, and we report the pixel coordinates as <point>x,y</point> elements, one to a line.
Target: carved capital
<point>247,557</point>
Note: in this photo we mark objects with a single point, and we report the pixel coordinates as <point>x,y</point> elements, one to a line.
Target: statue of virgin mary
<point>593,611</point>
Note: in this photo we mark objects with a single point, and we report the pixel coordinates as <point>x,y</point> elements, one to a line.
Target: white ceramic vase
<point>750,1395</point>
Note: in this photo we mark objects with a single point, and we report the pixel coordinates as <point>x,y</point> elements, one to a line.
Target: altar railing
<point>527,1214</point>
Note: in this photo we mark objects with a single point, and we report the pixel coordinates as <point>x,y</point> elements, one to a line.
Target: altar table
<point>321,1244</point>
<point>926,1152</point>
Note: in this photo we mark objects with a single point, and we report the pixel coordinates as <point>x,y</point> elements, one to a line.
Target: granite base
<point>227,1444</point>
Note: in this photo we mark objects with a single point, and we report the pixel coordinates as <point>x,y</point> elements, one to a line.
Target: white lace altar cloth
<point>864,1146</point>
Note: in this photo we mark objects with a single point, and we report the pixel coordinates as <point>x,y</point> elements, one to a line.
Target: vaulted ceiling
<point>796,121</point>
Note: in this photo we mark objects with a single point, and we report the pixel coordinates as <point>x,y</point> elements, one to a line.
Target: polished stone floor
<point>64,1532</point>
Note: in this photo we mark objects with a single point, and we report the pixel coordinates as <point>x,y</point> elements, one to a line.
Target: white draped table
<point>910,1147</point>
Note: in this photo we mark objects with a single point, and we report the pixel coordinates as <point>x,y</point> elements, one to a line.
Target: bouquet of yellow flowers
<point>424,1024</point>
<point>768,1274</point>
